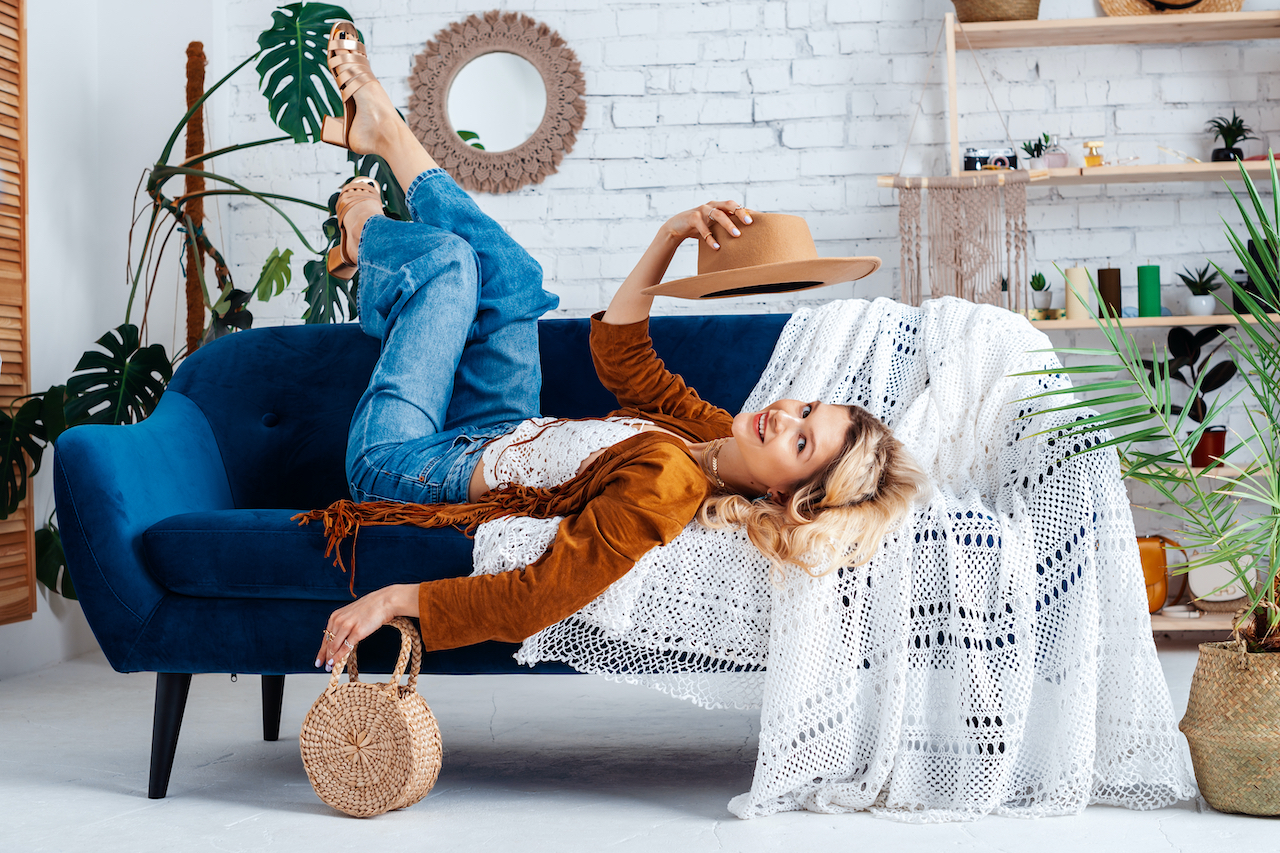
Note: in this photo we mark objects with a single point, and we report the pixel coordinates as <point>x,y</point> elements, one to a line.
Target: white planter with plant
<point>1231,719</point>
<point>1041,294</point>
<point>1202,283</point>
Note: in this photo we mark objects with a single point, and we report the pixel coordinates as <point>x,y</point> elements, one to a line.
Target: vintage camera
<point>976,159</point>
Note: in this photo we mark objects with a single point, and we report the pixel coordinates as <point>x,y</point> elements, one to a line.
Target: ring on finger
<point>328,633</point>
<point>349,645</point>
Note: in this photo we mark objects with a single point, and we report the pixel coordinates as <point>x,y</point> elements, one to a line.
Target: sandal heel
<point>338,266</point>
<point>334,131</point>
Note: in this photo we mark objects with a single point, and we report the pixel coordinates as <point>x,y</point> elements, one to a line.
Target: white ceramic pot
<point>1201,306</point>
<point>1035,163</point>
<point>1042,299</point>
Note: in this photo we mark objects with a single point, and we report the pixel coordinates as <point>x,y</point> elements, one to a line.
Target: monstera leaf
<point>326,294</point>
<point>275,276</point>
<point>51,562</point>
<point>120,386</point>
<point>292,72</point>
<point>21,435</point>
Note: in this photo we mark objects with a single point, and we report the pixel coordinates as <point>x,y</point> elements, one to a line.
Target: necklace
<point>714,451</point>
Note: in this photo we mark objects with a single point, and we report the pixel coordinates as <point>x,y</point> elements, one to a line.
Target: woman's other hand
<point>351,624</point>
<point>696,223</point>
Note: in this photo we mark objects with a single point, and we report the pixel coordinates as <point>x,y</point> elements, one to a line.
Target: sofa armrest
<point>113,482</point>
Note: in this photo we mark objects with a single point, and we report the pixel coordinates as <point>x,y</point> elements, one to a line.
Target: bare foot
<point>372,127</point>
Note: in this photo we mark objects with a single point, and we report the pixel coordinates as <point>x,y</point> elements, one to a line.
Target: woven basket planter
<point>1233,726</point>
<point>972,11</point>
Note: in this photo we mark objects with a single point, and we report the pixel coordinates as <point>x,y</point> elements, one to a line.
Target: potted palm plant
<point>1202,283</point>
<point>1230,517</point>
<point>1231,131</point>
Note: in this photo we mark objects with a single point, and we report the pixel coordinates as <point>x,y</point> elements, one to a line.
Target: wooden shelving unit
<point>1147,322</point>
<point>1137,29</point>
<point>1209,627</point>
<point>1258,170</point>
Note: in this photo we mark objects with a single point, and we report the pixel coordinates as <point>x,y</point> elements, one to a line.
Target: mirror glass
<point>499,97</point>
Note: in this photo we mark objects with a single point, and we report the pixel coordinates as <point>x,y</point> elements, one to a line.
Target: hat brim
<point>784,277</point>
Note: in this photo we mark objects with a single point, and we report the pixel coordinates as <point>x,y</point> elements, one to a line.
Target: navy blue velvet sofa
<point>177,530</point>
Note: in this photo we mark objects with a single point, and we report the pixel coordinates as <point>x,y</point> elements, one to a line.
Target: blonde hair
<point>840,516</point>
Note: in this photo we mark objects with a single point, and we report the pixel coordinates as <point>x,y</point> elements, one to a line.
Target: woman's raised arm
<point>629,305</point>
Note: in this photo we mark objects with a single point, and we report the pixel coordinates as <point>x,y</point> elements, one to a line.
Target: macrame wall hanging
<point>976,235</point>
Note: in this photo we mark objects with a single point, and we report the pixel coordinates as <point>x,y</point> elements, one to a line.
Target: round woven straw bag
<point>973,11</point>
<point>369,747</point>
<point>1168,7</point>
<point>1231,728</point>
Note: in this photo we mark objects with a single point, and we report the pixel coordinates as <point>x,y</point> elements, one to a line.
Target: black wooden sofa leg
<point>171,701</point>
<point>272,699</point>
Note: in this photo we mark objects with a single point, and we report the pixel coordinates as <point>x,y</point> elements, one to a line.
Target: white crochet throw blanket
<point>995,657</point>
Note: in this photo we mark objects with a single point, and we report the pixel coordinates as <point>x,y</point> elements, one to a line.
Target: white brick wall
<point>795,107</point>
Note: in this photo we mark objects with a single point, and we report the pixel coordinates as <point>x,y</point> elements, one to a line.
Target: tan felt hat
<point>1168,7</point>
<point>775,254</point>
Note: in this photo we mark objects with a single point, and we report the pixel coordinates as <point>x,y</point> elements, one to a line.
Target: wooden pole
<point>194,208</point>
<point>953,110</point>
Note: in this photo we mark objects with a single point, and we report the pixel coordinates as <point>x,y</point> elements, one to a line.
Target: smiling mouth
<point>760,418</point>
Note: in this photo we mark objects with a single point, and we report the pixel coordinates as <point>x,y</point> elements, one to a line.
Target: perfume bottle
<point>1055,156</point>
<point>1094,155</point>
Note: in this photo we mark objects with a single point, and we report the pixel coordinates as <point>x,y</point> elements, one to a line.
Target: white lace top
<point>545,452</point>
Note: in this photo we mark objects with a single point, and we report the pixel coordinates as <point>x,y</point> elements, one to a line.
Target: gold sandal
<point>349,64</point>
<point>339,263</point>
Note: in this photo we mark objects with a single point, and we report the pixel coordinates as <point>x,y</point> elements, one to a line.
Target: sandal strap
<point>351,71</point>
<point>356,191</point>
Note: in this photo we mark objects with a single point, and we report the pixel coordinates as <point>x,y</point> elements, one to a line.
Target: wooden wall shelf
<point>1259,171</point>
<point>1146,322</point>
<point>1209,625</point>
<point>1137,29</point>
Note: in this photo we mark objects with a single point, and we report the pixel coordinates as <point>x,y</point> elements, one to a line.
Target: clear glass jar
<point>1055,156</point>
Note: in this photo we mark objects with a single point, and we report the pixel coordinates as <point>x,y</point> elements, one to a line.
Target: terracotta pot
<point>1211,446</point>
<point>1230,726</point>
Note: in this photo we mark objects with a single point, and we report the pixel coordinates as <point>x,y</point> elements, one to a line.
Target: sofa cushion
<point>258,553</point>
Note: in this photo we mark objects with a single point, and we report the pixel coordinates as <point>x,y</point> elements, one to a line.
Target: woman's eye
<point>805,412</point>
<point>800,445</point>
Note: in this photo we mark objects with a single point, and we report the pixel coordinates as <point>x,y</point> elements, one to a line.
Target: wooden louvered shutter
<point>17,551</point>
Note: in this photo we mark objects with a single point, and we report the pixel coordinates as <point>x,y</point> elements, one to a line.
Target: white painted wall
<point>99,115</point>
<point>786,105</point>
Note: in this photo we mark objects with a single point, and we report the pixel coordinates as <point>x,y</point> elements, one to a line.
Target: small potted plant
<point>1231,131</point>
<point>1202,283</point>
<point>1041,295</point>
<point>1035,150</point>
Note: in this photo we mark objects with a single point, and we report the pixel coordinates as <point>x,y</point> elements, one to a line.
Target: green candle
<point>1149,291</point>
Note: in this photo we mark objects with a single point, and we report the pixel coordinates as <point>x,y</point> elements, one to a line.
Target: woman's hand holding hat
<point>696,223</point>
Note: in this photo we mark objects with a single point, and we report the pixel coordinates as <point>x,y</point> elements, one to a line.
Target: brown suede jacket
<point>643,492</point>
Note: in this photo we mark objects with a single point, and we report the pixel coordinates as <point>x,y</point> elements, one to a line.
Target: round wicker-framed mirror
<point>457,149</point>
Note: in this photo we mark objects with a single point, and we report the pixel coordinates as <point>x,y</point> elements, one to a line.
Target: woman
<point>451,411</point>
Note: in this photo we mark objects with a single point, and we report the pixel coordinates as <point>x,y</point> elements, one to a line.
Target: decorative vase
<point>1042,299</point>
<point>1230,726</point>
<point>1225,155</point>
<point>1211,446</point>
<point>1201,306</point>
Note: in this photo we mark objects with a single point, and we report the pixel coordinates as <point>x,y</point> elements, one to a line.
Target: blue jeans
<point>455,302</point>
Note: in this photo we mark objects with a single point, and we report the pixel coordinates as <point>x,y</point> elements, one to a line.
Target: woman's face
<point>790,442</point>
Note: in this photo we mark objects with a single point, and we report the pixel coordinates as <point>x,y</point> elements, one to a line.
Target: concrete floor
<point>555,763</point>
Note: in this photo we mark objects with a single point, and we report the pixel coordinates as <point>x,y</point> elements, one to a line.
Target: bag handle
<point>1168,7</point>
<point>410,656</point>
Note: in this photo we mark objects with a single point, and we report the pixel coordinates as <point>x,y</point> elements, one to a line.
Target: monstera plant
<point>121,381</point>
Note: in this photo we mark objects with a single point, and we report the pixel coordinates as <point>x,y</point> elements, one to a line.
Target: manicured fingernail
<point>737,233</point>
<point>328,667</point>
<point>746,219</point>
<point>317,663</point>
<point>715,245</point>
<point>329,662</point>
